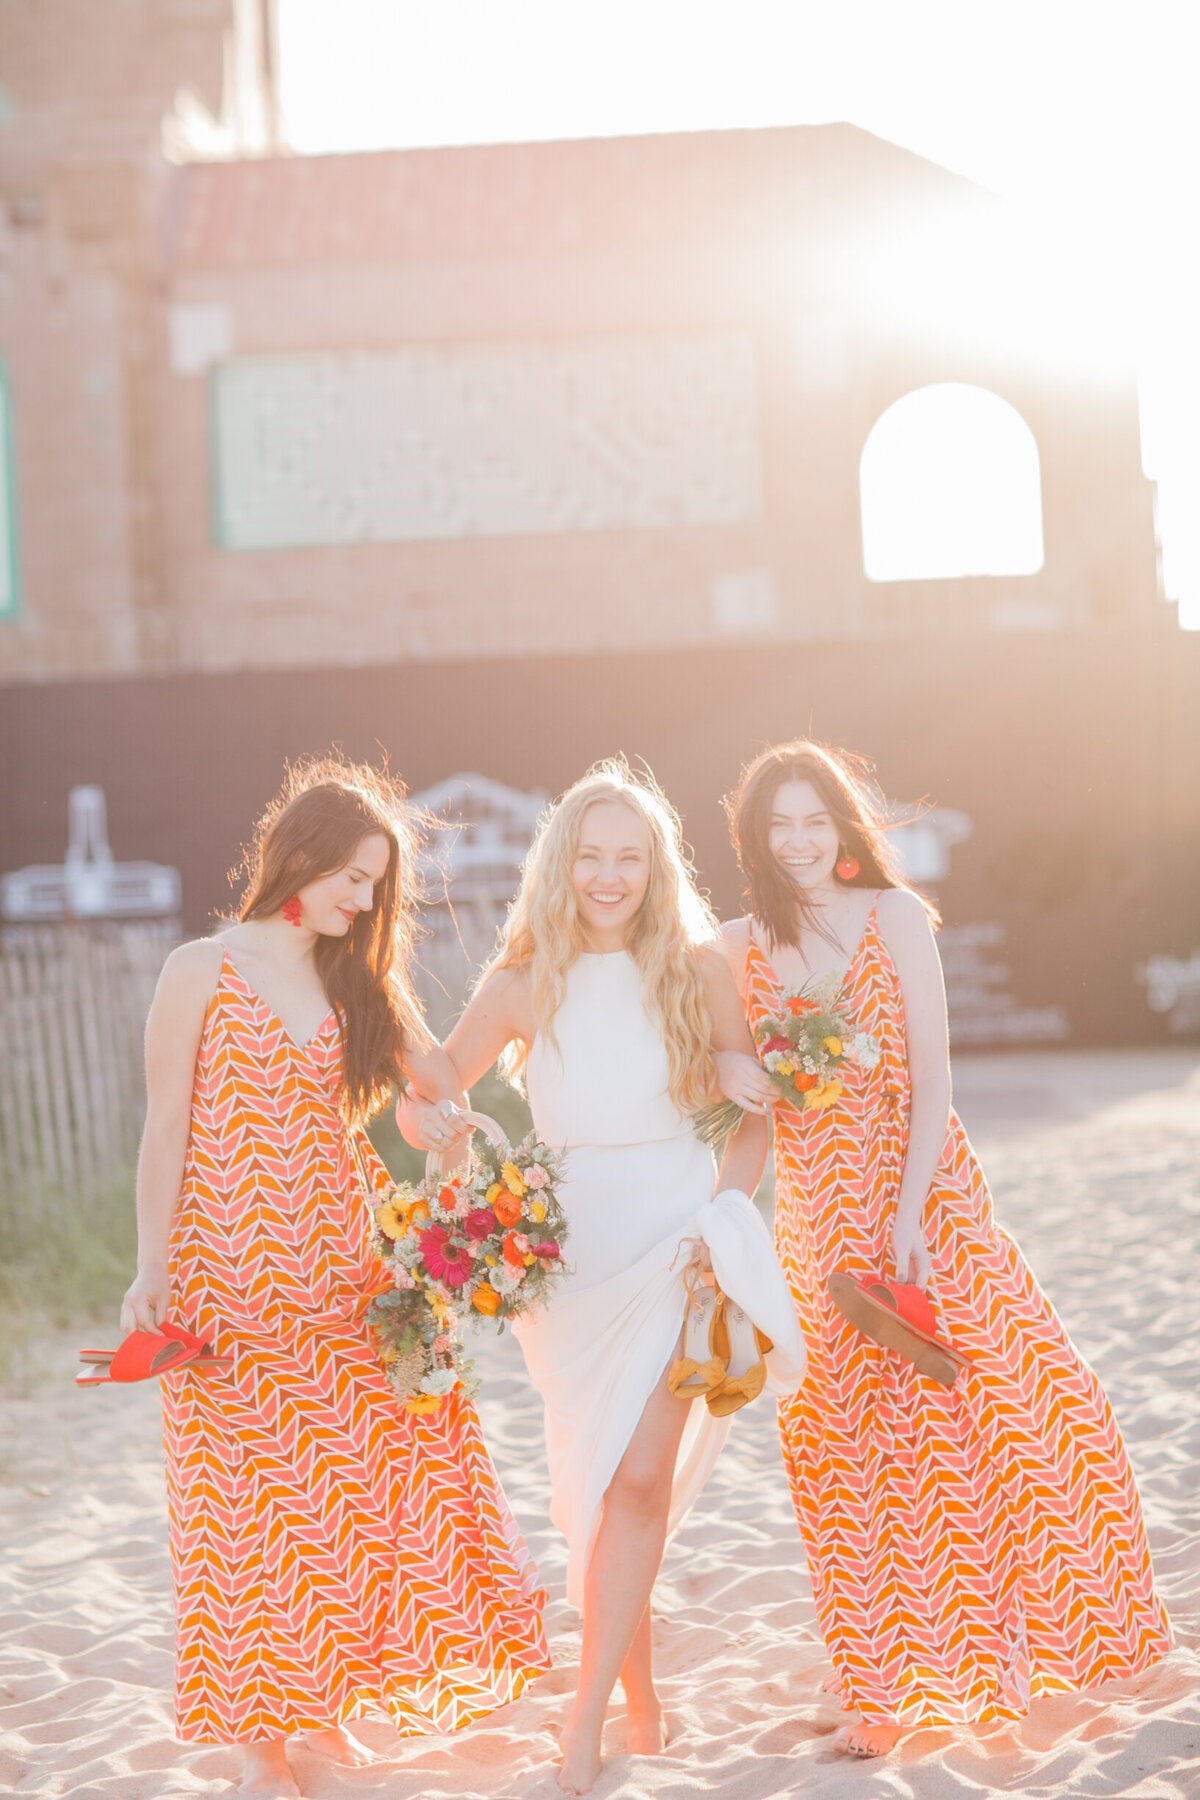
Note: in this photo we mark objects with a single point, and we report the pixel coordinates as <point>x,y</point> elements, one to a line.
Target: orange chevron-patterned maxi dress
<point>332,1554</point>
<point>968,1549</point>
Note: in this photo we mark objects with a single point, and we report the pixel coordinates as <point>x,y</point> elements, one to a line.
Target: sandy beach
<point>1094,1159</point>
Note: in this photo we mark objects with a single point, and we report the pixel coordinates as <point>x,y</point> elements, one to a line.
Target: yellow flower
<point>784,1067</point>
<point>389,1222</point>
<point>537,1211</point>
<point>512,1179</point>
<point>423,1403</point>
<point>491,1261</point>
<point>439,1308</point>
<point>833,1045</point>
<point>823,1095</point>
<point>529,1260</point>
<point>496,1188</point>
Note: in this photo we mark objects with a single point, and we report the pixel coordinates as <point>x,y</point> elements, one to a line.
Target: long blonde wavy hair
<point>543,932</point>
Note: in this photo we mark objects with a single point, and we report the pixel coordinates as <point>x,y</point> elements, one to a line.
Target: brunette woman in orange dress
<point>332,1554</point>
<point>969,1547</point>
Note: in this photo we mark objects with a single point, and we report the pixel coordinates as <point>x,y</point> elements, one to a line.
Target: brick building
<point>297,447</point>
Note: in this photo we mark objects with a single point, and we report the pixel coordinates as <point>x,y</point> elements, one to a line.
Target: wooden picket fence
<point>450,952</point>
<point>73,1005</point>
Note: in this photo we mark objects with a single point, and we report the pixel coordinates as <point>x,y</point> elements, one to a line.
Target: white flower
<point>772,1059</point>
<point>864,1049</point>
<point>824,989</point>
<point>441,1381</point>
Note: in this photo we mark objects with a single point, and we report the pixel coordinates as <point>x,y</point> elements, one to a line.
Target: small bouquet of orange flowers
<point>483,1244</point>
<point>803,1046</point>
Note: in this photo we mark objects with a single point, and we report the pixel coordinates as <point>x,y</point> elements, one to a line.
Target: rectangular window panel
<point>486,440</point>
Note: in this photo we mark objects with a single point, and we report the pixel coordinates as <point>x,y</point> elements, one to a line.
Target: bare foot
<point>266,1772</point>
<point>337,1744</point>
<point>581,1760</point>
<point>866,1740</point>
<point>646,1733</point>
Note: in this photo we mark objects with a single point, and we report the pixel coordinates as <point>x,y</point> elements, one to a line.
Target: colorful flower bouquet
<point>802,1047</point>
<point>483,1244</point>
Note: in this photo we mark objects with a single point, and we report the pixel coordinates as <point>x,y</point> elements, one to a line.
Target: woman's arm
<point>427,1101</point>
<point>904,926</point>
<point>740,1075</point>
<point>500,1011</point>
<point>497,1013</point>
<point>745,1151</point>
<point>430,1075</point>
<point>173,1031</point>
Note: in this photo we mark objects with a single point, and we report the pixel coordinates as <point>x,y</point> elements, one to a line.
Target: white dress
<point>638,1183</point>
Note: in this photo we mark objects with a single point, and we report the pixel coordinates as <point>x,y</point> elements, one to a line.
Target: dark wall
<point>1076,757</point>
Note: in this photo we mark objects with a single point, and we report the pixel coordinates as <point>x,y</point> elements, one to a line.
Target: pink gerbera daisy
<point>445,1260</point>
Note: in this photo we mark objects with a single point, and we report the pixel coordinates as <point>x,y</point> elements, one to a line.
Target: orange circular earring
<point>846,866</point>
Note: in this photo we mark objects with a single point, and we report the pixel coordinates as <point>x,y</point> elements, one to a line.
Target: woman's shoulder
<point>505,996</point>
<point>506,980</point>
<point>190,975</point>
<point>198,960</point>
<point>900,911</point>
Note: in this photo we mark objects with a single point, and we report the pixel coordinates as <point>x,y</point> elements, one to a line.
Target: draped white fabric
<point>638,1190</point>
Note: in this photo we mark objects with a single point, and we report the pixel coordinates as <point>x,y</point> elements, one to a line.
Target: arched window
<point>8,505</point>
<point>951,485</point>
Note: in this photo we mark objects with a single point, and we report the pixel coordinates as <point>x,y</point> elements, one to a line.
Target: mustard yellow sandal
<point>738,1342</point>
<point>699,1370</point>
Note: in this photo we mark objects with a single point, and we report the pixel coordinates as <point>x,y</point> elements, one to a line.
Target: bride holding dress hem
<point>610,981</point>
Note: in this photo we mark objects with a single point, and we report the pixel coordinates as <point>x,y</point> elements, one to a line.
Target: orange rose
<point>486,1300</point>
<point>506,1207</point>
<point>416,1213</point>
<point>804,1082</point>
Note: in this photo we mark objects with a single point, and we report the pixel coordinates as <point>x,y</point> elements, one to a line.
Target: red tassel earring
<point>291,911</point>
<point>846,866</point>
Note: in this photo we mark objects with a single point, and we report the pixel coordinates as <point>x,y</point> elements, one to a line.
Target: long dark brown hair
<point>312,829</point>
<point>844,784</point>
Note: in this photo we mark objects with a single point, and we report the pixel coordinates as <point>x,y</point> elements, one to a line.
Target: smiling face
<point>610,872</point>
<point>330,905</point>
<point>802,835</point>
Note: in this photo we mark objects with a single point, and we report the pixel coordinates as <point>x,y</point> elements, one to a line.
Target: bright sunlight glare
<point>951,486</point>
<point>1087,119</point>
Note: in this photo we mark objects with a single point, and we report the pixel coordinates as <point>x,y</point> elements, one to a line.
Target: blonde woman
<point>610,981</point>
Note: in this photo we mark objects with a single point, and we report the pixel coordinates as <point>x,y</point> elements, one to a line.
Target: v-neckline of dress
<point>267,1008</point>
<point>774,975</point>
